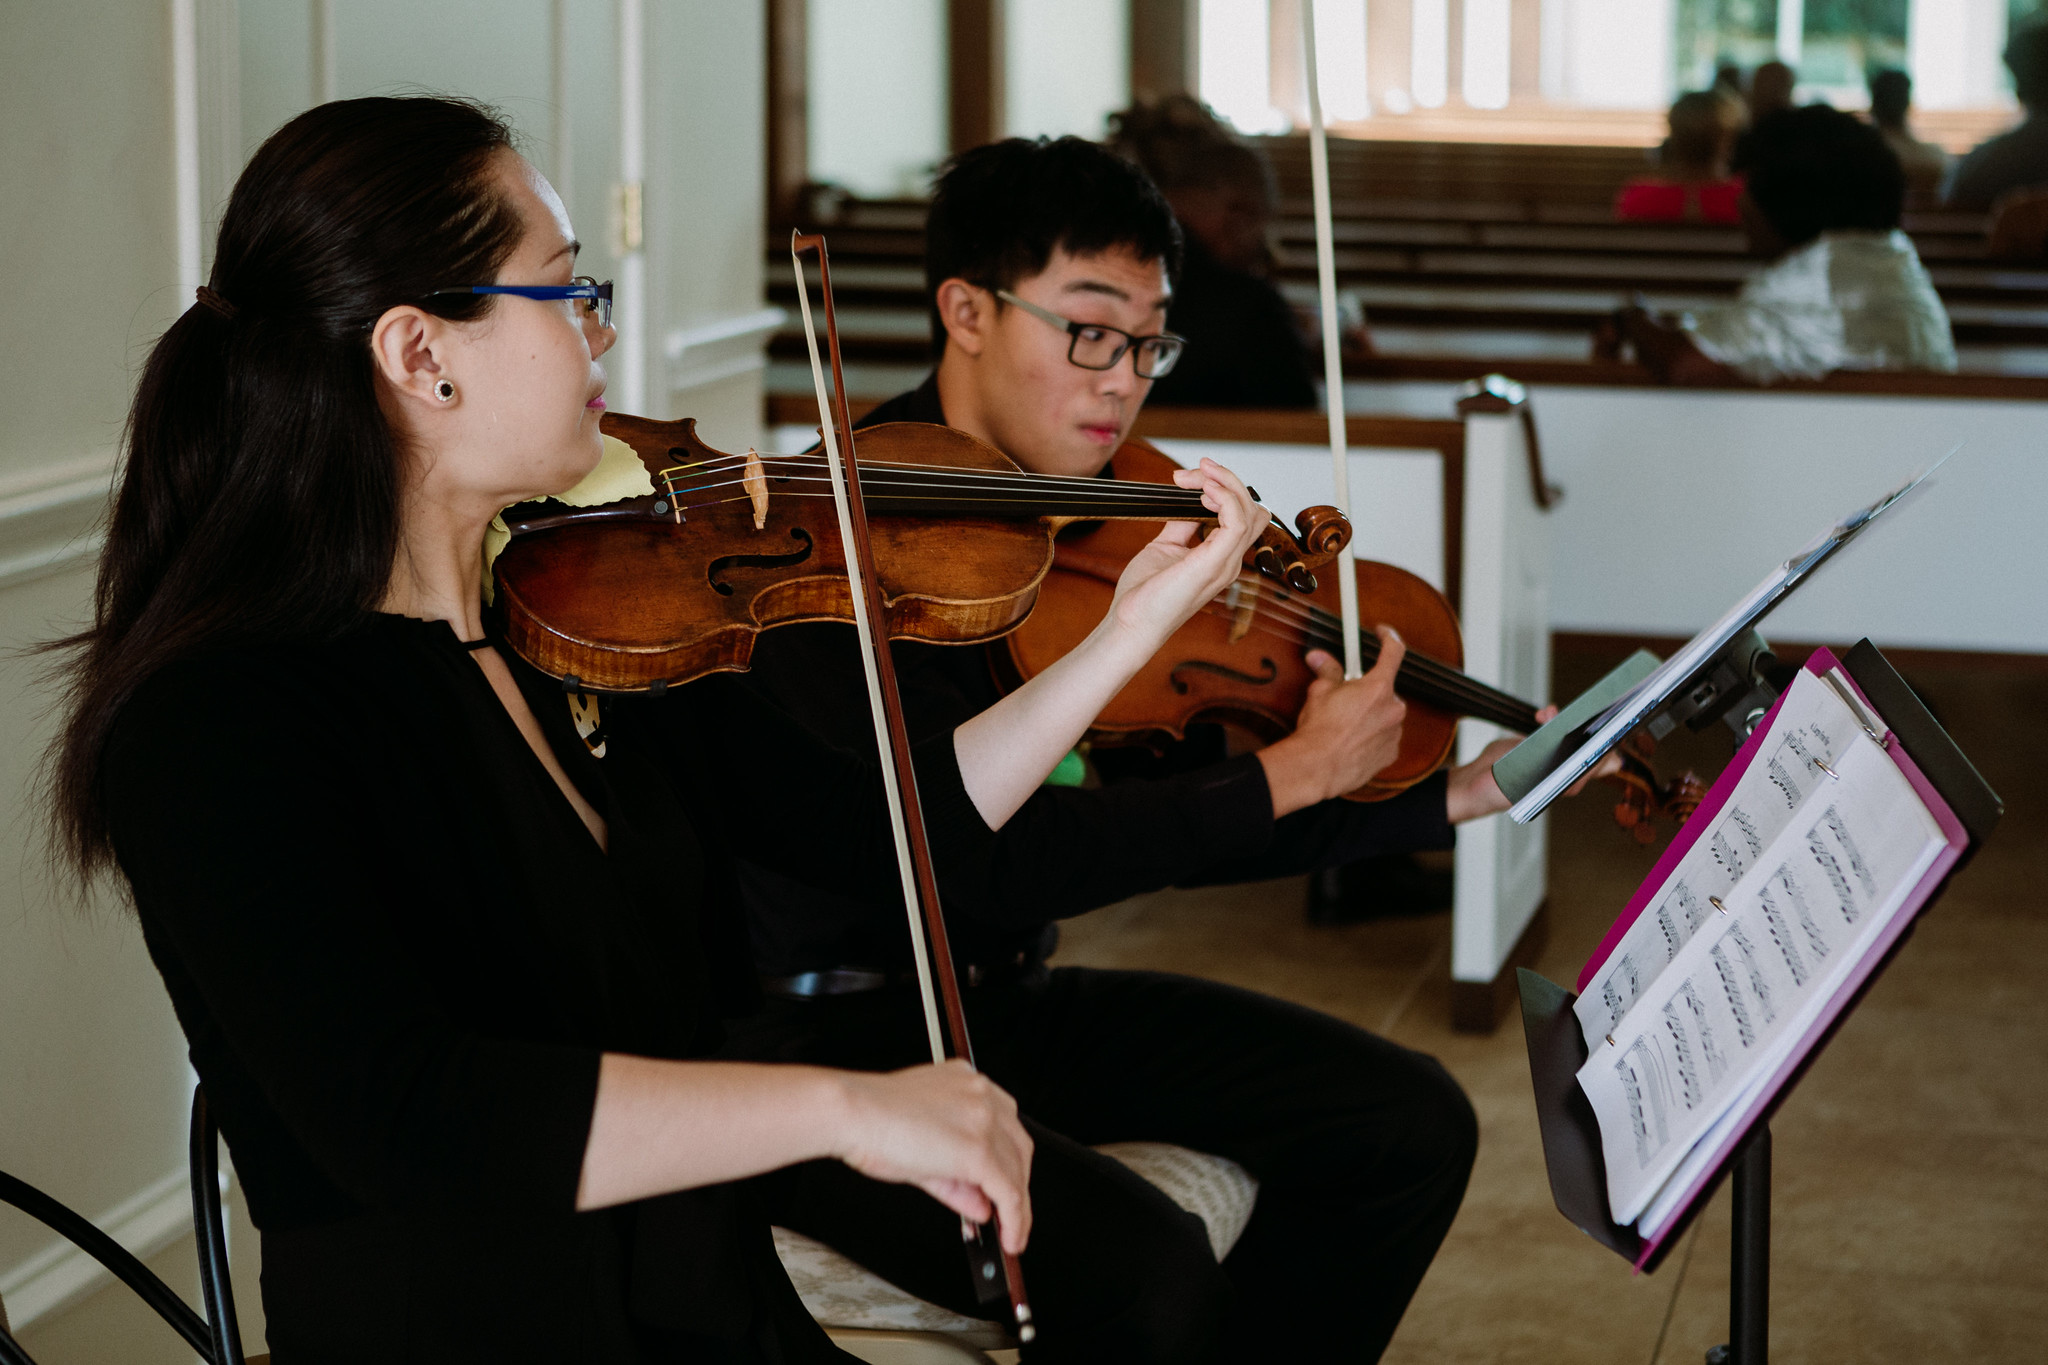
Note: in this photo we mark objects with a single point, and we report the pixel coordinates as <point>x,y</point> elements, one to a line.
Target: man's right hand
<point>1346,734</point>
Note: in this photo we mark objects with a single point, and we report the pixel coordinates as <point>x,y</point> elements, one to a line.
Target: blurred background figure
<point>1770,94</point>
<point>1891,96</point>
<point>1845,290</point>
<point>2019,158</point>
<point>1245,349</point>
<point>1692,182</point>
<point>1770,90</point>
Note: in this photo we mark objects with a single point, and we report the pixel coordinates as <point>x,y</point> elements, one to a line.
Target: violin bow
<point>1333,358</point>
<point>937,984</point>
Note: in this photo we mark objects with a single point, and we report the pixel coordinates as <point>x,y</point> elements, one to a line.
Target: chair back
<point>216,1337</point>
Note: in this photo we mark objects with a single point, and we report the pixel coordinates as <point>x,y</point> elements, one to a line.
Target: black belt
<point>859,980</point>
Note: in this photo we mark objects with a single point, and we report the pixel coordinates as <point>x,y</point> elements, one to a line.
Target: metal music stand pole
<point>1749,1281</point>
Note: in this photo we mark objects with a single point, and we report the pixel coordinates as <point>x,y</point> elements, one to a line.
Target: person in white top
<point>1845,289</point>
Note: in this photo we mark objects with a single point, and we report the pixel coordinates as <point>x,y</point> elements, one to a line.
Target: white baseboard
<point>145,1223</point>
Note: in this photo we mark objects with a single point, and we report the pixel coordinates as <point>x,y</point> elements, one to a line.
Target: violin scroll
<point>1291,557</point>
<point>1644,796</point>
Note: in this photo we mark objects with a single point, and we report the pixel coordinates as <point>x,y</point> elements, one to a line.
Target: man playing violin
<point>1050,267</point>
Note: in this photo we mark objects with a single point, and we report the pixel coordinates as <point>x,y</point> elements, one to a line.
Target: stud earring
<point>445,391</point>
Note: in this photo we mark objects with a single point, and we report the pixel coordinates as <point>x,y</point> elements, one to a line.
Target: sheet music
<point>1811,728</point>
<point>1742,989</point>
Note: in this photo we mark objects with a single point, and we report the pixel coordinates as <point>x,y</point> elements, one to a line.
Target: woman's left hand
<point>1178,573</point>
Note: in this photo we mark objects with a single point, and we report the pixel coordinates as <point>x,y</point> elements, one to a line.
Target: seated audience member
<point>1692,183</point>
<point>1845,290</point>
<point>1891,95</point>
<point>2019,158</point>
<point>2018,230</point>
<point>1244,348</point>
<point>1770,94</point>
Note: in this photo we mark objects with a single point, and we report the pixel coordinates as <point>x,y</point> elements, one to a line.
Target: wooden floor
<point>1911,1166</point>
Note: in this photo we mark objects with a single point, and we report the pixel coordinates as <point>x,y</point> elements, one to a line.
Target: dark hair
<point>2026,56</point>
<point>1891,94</point>
<point>1180,143</point>
<point>260,497</point>
<point>1703,125</point>
<point>1816,169</point>
<point>1000,211</point>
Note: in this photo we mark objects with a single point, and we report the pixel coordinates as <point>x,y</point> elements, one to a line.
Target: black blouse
<point>398,955</point>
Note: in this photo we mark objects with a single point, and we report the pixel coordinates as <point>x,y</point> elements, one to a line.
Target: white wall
<point>876,77</point>
<point>92,1078</point>
<point>1066,65</point>
<point>1678,502</point>
<point>119,150</point>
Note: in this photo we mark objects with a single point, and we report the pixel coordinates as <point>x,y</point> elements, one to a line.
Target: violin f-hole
<point>724,562</point>
<point>1269,672</point>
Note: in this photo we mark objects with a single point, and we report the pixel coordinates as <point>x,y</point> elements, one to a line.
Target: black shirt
<point>1191,817</point>
<point>398,954</point>
<point>1243,348</point>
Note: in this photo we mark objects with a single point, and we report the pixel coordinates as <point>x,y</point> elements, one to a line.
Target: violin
<point>1242,659</point>
<point>652,591</point>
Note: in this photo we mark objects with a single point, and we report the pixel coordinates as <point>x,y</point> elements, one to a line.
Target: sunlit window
<point>1235,64</point>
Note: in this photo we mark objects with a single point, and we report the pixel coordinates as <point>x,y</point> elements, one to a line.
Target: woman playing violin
<point>453,980</point>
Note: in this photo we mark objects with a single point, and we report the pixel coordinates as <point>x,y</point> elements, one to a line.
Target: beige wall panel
<point>87,218</point>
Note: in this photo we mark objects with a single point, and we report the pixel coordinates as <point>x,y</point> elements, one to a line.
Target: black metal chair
<point>216,1337</point>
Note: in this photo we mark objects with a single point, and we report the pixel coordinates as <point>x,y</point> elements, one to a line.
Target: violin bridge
<point>755,480</point>
<point>1243,601</point>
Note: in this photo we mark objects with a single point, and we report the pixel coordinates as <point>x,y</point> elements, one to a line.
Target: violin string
<point>1024,506</point>
<point>1083,491</point>
<point>812,461</point>
<point>937,472</point>
<point>1312,625</point>
<point>1443,685</point>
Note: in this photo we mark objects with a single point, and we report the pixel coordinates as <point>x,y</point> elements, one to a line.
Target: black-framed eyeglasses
<point>597,296</point>
<point>1094,346</point>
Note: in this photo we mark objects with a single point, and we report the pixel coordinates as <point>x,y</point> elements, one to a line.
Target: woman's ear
<point>968,312</point>
<point>407,346</point>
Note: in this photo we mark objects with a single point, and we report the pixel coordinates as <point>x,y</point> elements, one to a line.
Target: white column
<point>1066,66</point>
<point>1954,51</point>
<point>1234,66</point>
<point>629,367</point>
<point>1791,30</point>
<point>1610,53</point>
<point>1487,53</point>
<point>1430,33</point>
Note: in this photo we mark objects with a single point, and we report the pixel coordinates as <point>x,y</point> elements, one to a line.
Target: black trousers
<point>1361,1148</point>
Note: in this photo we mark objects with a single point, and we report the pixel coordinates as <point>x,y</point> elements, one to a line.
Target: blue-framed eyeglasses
<point>597,296</point>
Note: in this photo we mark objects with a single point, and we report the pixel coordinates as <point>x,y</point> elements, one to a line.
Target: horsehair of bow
<point>1333,359</point>
<point>856,582</point>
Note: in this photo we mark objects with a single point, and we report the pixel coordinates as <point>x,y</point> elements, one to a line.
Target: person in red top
<point>1692,183</point>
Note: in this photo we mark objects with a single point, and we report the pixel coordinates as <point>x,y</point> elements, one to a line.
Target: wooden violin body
<point>655,590</point>
<point>1241,661</point>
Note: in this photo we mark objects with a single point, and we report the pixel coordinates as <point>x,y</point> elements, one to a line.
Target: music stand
<point>1557,1049</point>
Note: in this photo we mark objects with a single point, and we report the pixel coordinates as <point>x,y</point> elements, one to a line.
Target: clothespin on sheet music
<point>1333,357</point>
